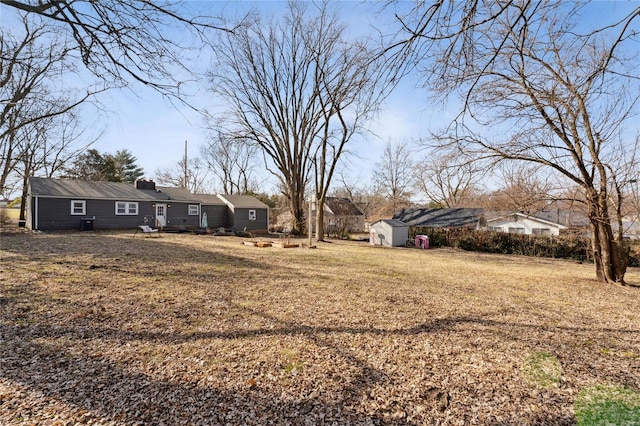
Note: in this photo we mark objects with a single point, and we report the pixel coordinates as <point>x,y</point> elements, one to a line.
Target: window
<point>516,230</point>
<point>252,215</point>
<point>541,231</point>
<point>126,208</point>
<point>495,228</point>
<point>78,207</point>
<point>194,209</point>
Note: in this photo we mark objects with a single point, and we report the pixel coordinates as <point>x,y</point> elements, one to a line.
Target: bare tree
<point>121,41</point>
<point>193,177</point>
<point>232,162</point>
<point>449,179</point>
<point>299,91</point>
<point>524,188</point>
<point>552,91</point>
<point>30,68</point>
<point>393,175</point>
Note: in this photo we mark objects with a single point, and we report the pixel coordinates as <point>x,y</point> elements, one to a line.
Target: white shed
<point>388,232</point>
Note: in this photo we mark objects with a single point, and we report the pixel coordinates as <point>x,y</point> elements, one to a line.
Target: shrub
<point>565,247</point>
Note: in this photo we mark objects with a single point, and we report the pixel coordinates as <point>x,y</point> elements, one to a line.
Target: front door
<point>161,215</point>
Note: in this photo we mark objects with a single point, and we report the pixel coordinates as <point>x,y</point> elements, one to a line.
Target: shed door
<point>161,215</point>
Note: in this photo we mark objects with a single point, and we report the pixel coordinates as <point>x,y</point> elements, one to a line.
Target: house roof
<point>439,218</point>
<point>210,199</point>
<point>565,217</point>
<point>103,190</point>
<point>525,216</point>
<point>342,207</point>
<point>179,194</point>
<point>76,188</point>
<point>394,223</point>
<point>243,201</point>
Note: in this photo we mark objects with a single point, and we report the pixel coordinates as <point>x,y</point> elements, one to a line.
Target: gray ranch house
<point>60,204</point>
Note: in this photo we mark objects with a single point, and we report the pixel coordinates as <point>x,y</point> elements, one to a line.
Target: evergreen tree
<point>126,168</point>
<point>118,167</point>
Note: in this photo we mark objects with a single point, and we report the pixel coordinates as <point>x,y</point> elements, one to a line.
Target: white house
<point>520,223</point>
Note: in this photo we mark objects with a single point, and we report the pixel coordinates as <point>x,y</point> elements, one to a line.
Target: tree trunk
<point>609,256</point>
<point>297,209</point>
<point>23,197</point>
<point>320,219</point>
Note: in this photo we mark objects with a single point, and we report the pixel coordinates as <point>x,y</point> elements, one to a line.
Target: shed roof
<point>394,223</point>
<point>70,188</point>
<point>439,218</point>
<point>243,201</point>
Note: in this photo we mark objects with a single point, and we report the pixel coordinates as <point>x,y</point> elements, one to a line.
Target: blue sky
<point>155,130</point>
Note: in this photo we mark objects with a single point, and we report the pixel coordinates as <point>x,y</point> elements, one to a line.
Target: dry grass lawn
<point>103,328</point>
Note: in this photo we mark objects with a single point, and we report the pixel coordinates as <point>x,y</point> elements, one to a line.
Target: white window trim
<point>84,207</point>
<point>192,212</point>
<point>127,208</point>
<point>253,215</point>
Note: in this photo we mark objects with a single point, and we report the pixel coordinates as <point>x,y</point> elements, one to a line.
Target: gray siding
<point>178,216</point>
<point>216,215</point>
<point>55,214</point>
<point>240,219</point>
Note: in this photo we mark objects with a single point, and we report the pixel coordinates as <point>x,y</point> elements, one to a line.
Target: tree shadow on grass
<point>123,395</point>
<point>112,392</point>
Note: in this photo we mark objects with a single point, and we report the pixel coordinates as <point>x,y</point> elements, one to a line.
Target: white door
<point>161,215</point>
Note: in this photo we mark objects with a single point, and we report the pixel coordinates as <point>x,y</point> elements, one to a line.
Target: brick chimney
<point>146,184</point>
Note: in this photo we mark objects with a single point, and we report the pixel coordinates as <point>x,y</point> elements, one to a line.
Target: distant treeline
<point>560,247</point>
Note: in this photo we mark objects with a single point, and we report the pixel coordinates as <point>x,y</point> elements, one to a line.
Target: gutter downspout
<point>35,218</point>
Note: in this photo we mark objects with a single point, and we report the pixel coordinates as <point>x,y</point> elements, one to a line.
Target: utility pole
<point>186,175</point>
<point>309,224</point>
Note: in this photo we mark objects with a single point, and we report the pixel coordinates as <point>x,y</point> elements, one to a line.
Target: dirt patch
<point>104,328</point>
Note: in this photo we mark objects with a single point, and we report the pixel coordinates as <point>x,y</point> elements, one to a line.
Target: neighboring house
<point>441,218</point>
<point>520,223</point>
<point>630,227</point>
<point>388,232</point>
<point>572,218</point>
<point>342,216</point>
<point>57,204</point>
<point>246,213</point>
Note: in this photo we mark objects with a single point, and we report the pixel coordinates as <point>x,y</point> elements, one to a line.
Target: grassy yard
<point>103,328</point>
